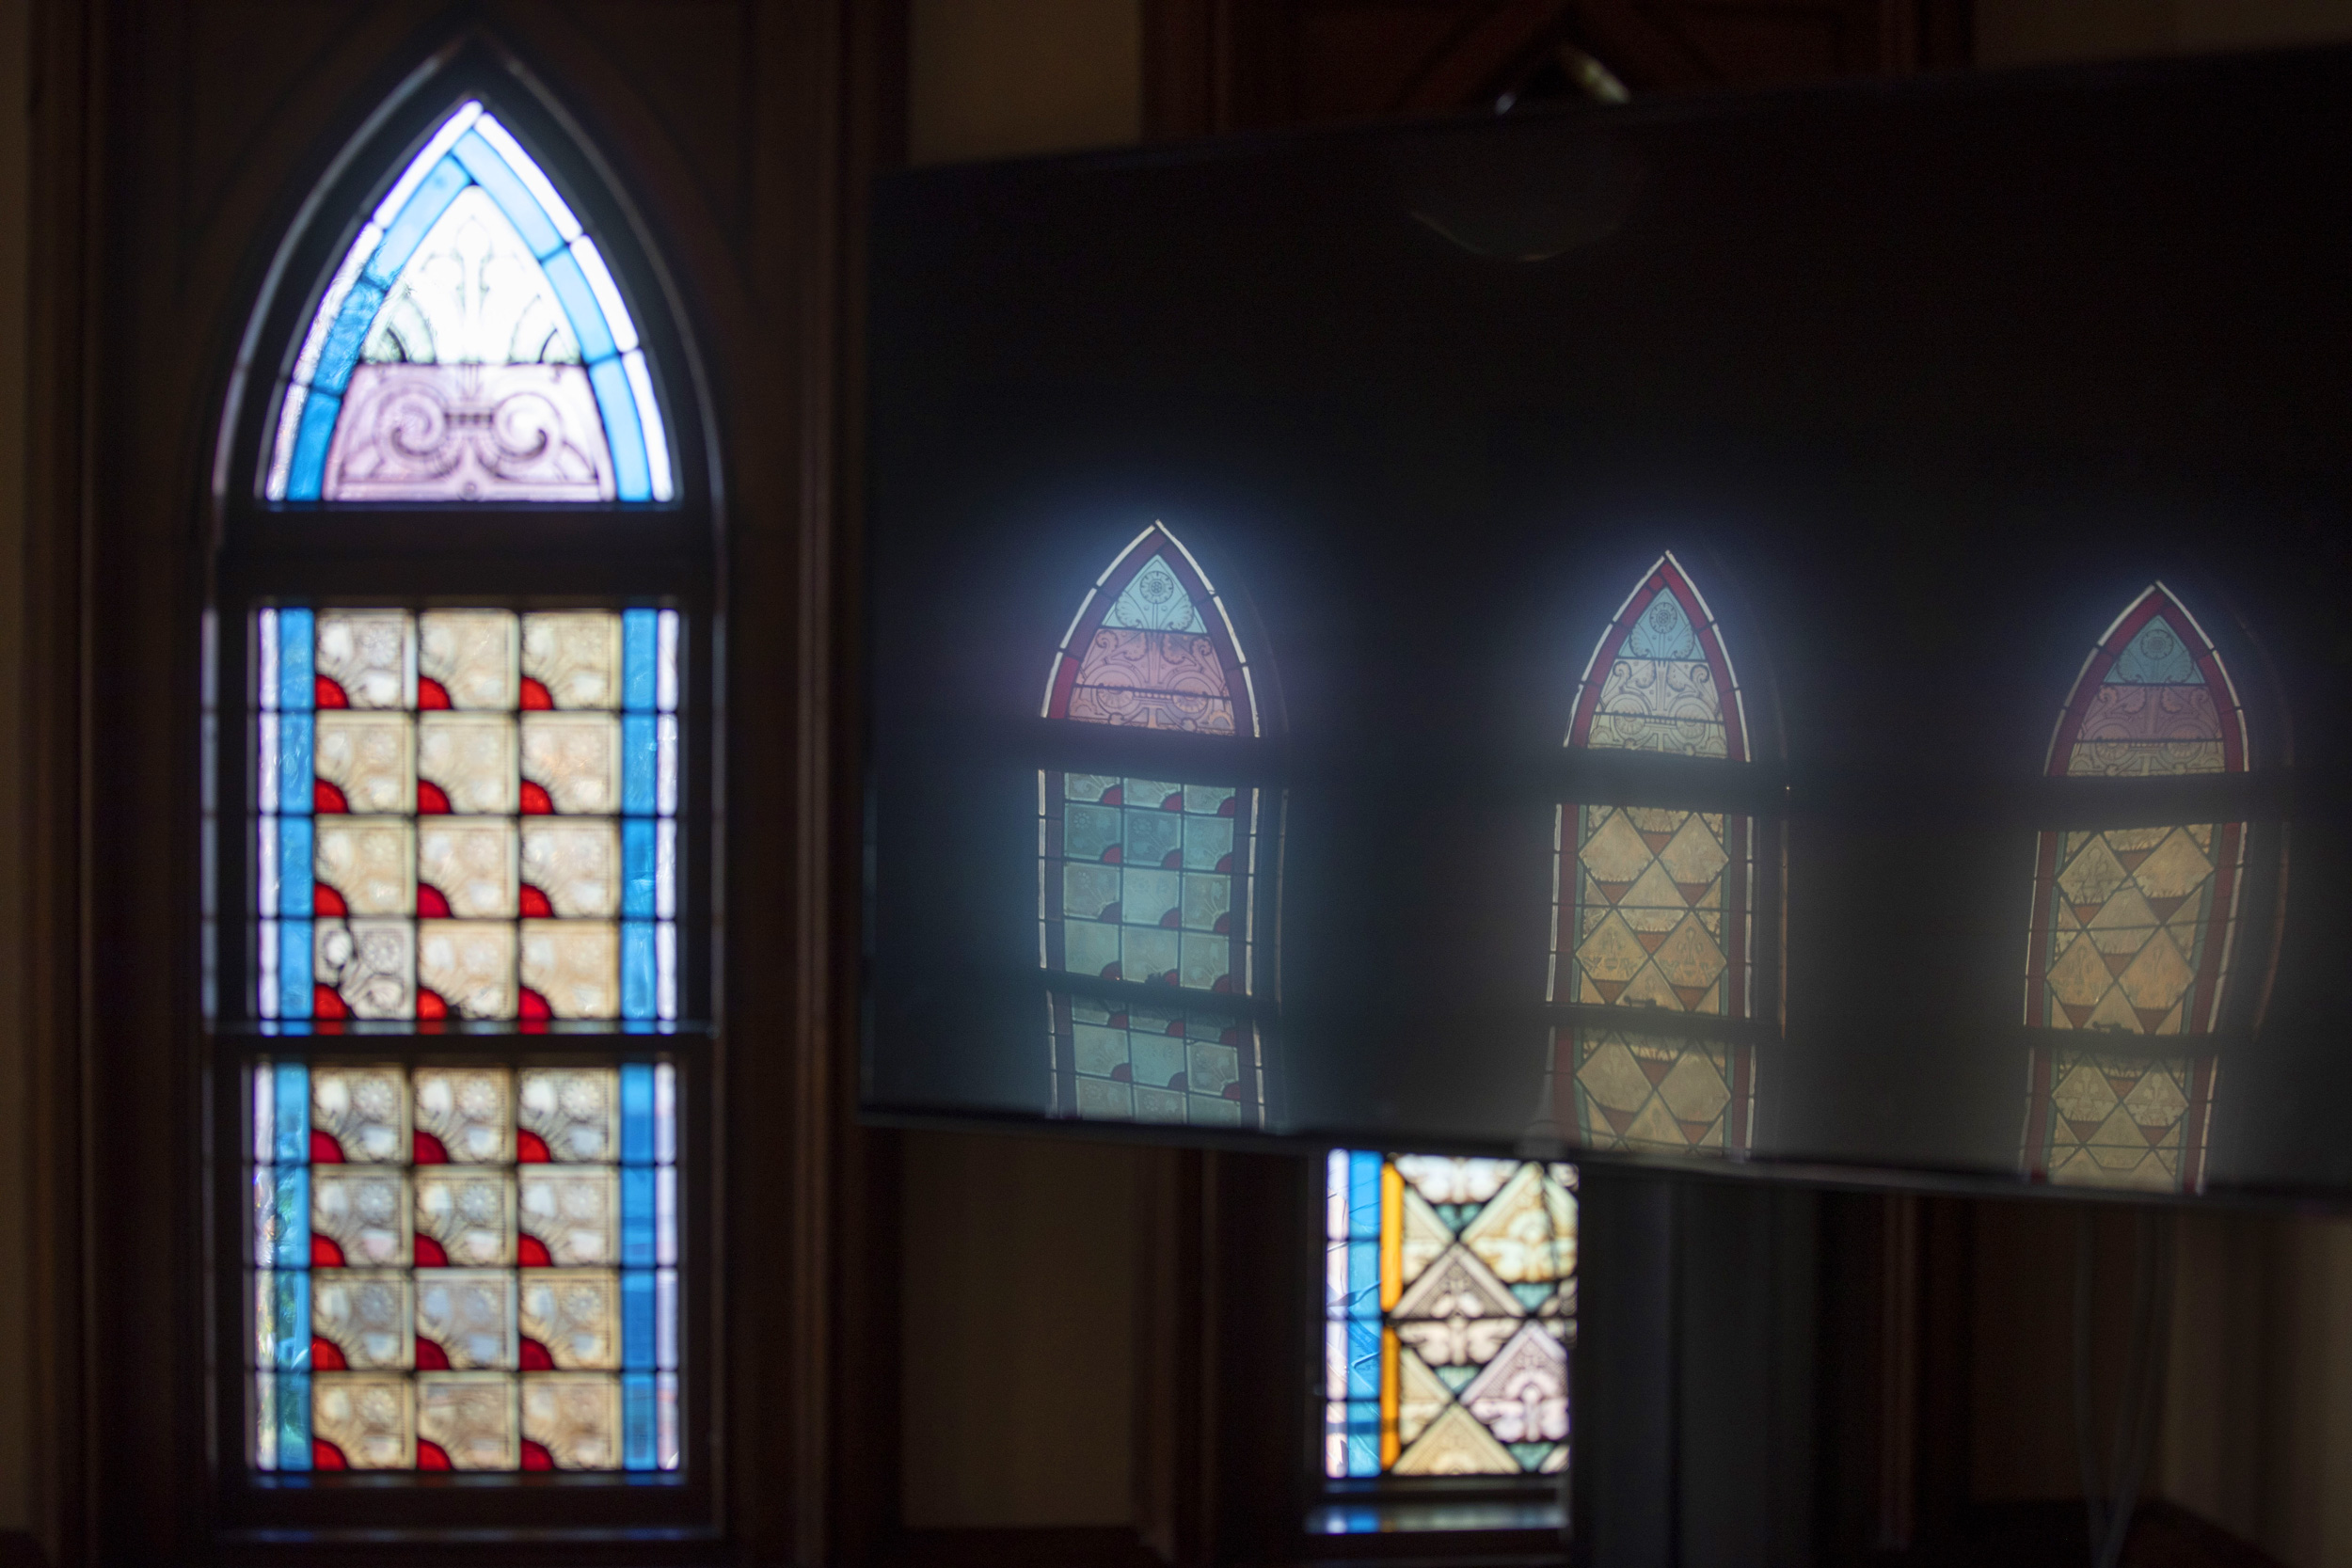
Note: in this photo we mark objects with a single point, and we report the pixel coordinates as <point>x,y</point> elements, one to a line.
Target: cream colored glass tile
<point>575,1315</point>
<point>470,653</point>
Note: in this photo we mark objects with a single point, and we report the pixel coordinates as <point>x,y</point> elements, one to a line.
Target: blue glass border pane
<point>632,478</point>
<point>289,1313</point>
<point>640,758</point>
<point>298,676</point>
<point>495,176</point>
<point>291,1216</point>
<point>290,1129</point>
<point>639,1422</point>
<point>637,1337</point>
<point>638,1232</point>
<point>640,654</point>
<point>637,968</point>
<point>293,969</point>
<point>638,859</point>
<point>307,473</point>
<point>338,351</point>
<point>637,1112</point>
<point>416,218</point>
<point>293,1420</point>
<point>296,745</point>
<point>579,303</point>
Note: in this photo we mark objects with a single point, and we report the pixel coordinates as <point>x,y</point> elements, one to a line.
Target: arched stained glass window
<point>1449,1308</point>
<point>1653,907</point>
<point>2131,928</point>
<point>473,1030</point>
<point>1146,883</point>
<point>471,345</point>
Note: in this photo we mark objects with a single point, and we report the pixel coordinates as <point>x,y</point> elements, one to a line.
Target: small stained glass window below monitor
<point>1449,1308</point>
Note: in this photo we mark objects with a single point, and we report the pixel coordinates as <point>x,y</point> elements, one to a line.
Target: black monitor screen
<point>1793,633</point>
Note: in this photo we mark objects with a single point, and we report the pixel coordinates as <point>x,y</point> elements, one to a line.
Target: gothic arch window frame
<point>663,556</point>
<point>1228,772</point>
<point>2224,1002</point>
<point>1749,795</point>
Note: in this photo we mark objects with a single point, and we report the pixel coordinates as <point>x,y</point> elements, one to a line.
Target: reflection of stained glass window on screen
<point>1146,881</point>
<point>466,815</point>
<point>1450,1305</point>
<point>2132,927</point>
<point>464,1268</point>
<point>471,346</point>
<point>1652,906</point>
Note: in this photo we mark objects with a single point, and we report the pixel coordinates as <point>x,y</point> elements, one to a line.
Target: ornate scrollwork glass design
<point>472,346</point>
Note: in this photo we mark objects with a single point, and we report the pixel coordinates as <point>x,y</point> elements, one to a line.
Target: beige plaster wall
<point>999,78</point>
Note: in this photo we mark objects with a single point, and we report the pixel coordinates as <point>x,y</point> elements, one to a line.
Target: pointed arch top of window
<point>1659,679</point>
<point>2153,699</point>
<point>1152,647</point>
<point>471,345</point>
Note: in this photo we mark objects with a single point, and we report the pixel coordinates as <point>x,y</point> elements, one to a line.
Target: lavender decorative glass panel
<point>472,345</point>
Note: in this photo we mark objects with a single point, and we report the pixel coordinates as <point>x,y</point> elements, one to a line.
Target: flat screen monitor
<point>1791,634</point>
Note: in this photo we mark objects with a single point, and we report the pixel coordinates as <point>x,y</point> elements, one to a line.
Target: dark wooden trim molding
<point>1214,65</point>
<point>62,278</point>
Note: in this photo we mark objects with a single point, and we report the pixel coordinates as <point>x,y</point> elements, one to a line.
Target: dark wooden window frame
<point>162,182</point>
<point>528,556</point>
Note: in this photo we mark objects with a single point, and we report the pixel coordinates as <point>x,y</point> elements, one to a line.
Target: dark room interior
<point>1175,782</point>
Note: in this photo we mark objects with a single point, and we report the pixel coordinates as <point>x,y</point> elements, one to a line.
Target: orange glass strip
<point>1388,1444</point>
<point>1391,1236</point>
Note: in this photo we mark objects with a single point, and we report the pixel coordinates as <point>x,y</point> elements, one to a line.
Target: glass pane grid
<point>1653,908</point>
<point>2133,926</point>
<point>1146,881</point>
<point>466,816</point>
<point>464,1268</point>
<point>1449,1308</point>
<point>1142,883</point>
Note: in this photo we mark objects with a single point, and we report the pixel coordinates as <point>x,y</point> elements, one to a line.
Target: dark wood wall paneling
<point>174,143</point>
<point>1227,65</point>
